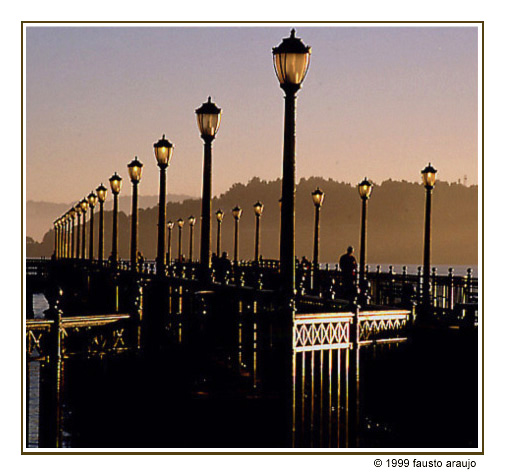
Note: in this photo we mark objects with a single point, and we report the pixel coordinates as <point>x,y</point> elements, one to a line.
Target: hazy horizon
<point>378,101</point>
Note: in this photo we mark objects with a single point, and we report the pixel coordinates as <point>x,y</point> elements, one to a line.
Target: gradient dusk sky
<point>377,101</point>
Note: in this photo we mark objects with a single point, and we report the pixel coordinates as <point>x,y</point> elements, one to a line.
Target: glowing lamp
<point>365,189</point>
<point>237,212</point>
<point>259,208</point>
<point>208,119</point>
<point>115,182</point>
<point>84,205</point>
<point>429,176</point>
<point>101,193</point>
<point>163,151</point>
<point>135,170</point>
<point>318,197</point>
<point>291,61</point>
<point>92,199</point>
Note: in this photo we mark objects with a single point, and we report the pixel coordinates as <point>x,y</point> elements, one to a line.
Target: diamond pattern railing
<point>322,331</point>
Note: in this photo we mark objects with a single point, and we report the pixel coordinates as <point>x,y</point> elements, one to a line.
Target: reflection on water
<point>40,304</point>
<point>217,383</point>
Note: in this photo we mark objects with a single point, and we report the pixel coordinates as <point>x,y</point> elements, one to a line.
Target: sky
<point>377,101</point>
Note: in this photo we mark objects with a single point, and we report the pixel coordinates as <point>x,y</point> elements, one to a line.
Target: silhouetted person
<point>348,265</point>
<point>225,265</point>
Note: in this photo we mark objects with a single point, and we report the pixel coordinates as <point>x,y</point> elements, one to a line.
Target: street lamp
<point>236,213</point>
<point>55,227</point>
<point>72,214</point>
<point>77,209</point>
<point>84,209</point>
<point>163,154</point>
<point>92,201</point>
<point>115,181</point>
<point>180,224</point>
<point>101,194</point>
<point>170,225</point>
<point>135,173</point>
<point>219,218</point>
<point>191,222</point>
<point>364,190</point>
<point>62,236</point>
<point>258,208</point>
<point>429,180</point>
<point>208,120</point>
<point>318,197</point>
<point>291,63</point>
<point>68,234</point>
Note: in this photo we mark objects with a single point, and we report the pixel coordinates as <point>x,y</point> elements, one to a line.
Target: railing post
<point>469,277</point>
<point>419,285</point>
<point>391,281</point>
<point>434,288</point>
<point>451,290</point>
<point>354,376</point>
<point>137,311</point>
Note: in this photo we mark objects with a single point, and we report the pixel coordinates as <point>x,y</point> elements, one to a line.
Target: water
<point>217,384</point>
<point>40,305</point>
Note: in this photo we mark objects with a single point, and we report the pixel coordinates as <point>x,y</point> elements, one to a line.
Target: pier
<point>203,351</point>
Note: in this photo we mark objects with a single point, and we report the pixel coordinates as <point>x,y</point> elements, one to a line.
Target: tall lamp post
<point>208,120</point>
<point>69,234</point>
<point>219,218</point>
<point>170,225</point>
<point>57,238</point>
<point>72,214</point>
<point>191,222</point>
<point>258,207</point>
<point>364,190</point>
<point>78,211</point>
<point>84,209</point>
<point>55,227</point>
<point>61,234</point>
<point>62,237</point>
<point>92,201</point>
<point>115,182</point>
<point>318,197</point>
<point>180,224</point>
<point>291,62</point>
<point>163,154</point>
<point>135,173</point>
<point>429,180</point>
<point>236,213</point>
<point>101,194</point>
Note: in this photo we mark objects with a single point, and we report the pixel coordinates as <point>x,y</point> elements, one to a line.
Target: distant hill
<point>40,215</point>
<point>395,225</point>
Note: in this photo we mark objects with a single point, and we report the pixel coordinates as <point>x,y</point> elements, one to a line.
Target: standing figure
<point>348,265</point>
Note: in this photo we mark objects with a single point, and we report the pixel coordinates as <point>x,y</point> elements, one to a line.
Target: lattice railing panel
<point>321,331</point>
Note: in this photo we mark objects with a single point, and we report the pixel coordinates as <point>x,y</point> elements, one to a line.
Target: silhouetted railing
<point>450,294</point>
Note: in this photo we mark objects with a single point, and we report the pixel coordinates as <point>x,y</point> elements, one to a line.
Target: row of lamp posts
<point>291,62</point>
